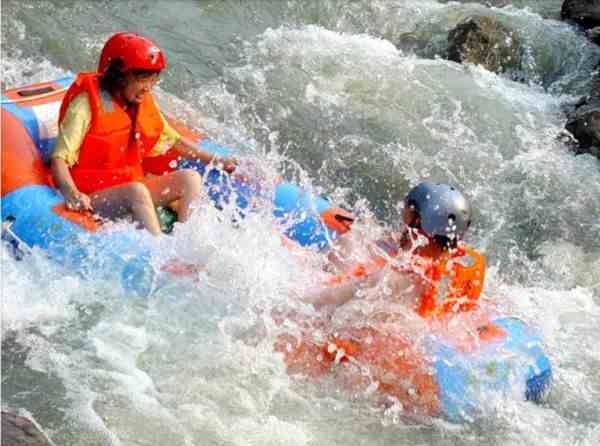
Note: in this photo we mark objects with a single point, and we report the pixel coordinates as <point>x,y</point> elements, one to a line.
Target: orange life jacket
<point>114,147</point>
<point>461,272</point>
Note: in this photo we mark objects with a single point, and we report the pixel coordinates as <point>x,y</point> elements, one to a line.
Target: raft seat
<point>37,107</point>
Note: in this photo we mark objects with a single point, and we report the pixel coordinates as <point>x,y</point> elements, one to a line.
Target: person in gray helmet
<point>439,211</point>
<point>427,252</point>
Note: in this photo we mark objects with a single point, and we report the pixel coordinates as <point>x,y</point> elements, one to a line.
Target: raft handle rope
<point>343,218</point>
<point>27,98</point>
<point>35,92</point>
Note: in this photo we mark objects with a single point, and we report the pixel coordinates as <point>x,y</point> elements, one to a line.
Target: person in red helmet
<point>108,124</point>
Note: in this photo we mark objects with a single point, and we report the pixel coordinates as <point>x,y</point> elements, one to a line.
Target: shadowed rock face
<point>584,122</point>
<point>484,41</point>
<point>584,12</point>
<point>594,35</point>
<point>20,431</point>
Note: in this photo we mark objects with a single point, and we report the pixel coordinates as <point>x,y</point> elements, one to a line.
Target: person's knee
<point>139,193</point>
<point>190,179</point>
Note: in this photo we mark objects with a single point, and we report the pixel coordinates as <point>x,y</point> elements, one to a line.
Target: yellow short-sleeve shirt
<point>76,124</point>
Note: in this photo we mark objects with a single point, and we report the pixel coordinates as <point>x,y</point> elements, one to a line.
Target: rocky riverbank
<point>584,120</point>
<point>484,41</point>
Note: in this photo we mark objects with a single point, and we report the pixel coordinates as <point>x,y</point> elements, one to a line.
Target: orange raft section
<point>368,356</point>
<point>367,359</point>
<point>22,164</point>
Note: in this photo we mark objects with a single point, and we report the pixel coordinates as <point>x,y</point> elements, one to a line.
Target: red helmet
<point>136,52</point>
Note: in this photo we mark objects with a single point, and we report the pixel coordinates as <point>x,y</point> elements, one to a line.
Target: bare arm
<point>191,151</point>
<point>74,199</point>
<point>340,294</point>
<point>339,256</point>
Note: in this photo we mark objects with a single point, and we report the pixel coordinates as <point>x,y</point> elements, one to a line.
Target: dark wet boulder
<point>20,431</point>
<point>594,35</point>
<point>583,12</point>
<point>484,41</point>
<point>584,125</point>
<point>584,121</point>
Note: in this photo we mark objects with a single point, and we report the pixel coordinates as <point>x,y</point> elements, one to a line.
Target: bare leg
<point>183,185</point>
<point>133,198</point>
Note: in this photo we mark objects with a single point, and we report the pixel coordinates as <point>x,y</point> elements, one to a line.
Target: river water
<point>351,99</point>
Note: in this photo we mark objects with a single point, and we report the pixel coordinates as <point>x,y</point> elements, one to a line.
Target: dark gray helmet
<point>443,210</point>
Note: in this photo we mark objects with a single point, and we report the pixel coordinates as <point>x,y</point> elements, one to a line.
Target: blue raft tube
<point>33,215</point>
